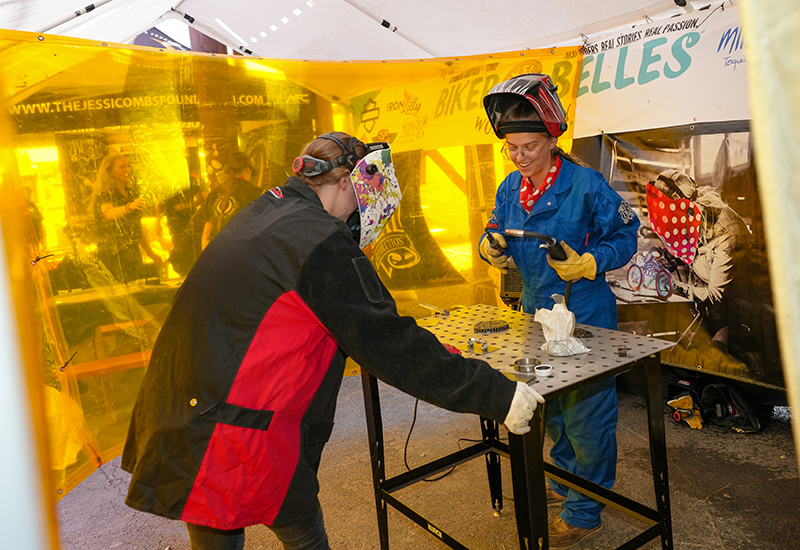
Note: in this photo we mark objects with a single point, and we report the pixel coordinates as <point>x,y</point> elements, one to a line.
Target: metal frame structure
<point>611,353</point>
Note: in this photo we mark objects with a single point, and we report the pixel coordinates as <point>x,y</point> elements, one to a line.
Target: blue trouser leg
<point>583,425</point>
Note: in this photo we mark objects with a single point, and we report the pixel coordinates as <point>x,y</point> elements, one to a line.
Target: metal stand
<point>528,469</point>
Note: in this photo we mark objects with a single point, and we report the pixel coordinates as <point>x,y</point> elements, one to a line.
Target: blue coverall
<point>585,212</point>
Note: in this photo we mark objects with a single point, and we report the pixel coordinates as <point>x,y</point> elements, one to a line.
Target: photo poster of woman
<point>700,276</point>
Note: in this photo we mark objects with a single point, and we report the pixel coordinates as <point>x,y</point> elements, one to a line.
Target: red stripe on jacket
<point>246,472</point>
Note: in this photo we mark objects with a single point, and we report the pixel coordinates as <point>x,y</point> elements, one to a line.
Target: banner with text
<point>684,70</point>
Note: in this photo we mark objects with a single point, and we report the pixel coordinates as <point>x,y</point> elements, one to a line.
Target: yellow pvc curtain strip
<point>176,116</point>
<point>773,70</point>
<point>19,257</point>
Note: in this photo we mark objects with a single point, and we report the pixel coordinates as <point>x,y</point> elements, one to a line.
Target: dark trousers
<point>308,534</point>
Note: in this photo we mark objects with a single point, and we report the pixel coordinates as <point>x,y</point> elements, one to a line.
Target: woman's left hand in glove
<point>575,266</point>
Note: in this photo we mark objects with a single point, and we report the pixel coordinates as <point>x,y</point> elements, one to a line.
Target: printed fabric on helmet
<point>377,191</point>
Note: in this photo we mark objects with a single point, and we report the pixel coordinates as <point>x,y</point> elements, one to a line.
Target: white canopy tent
<point>349,29</point>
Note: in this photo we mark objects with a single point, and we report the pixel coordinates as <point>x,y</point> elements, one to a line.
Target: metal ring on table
<point>526,364</point>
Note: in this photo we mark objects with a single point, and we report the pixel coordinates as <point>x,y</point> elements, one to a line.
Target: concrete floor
<point>728,491</point>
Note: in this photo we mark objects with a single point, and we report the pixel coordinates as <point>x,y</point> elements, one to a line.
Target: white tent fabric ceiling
<point>347,29</point>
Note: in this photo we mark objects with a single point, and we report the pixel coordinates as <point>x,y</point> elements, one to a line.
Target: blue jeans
<point>308,534</point>
<point>583,426</point>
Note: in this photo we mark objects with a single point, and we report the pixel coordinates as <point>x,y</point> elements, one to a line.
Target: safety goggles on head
<point>377,191</point>
<point>540,92</point>
<point>311,166</point>
<point>676,185</point>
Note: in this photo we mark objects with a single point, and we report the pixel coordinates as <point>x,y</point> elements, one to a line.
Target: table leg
<point>491,433</point>
<point>527,473</point>
<point>372,407</point>
<point>658,447</point>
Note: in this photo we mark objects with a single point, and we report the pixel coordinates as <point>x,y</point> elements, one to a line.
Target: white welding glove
<point>496,256</point>
<point>521,410</point>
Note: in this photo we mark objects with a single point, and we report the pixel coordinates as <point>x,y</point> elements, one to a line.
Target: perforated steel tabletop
<point>524,338</point>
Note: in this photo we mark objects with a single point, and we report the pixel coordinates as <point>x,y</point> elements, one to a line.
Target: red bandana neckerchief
<point>528,195</point>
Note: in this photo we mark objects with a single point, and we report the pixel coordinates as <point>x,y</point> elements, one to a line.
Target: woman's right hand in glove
<point>495,254</point>
<point>523,404</point>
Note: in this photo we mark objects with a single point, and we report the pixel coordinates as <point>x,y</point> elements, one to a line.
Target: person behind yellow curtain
<point>39,238</point>
<point>179,209</point>
<point>226,200</point>
<point>118,213</point>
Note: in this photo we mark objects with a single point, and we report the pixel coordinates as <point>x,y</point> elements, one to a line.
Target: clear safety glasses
<point>510,152</point>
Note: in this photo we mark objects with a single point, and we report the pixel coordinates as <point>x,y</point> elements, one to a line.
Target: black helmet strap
<point>521,126</point>
<point>349,157</point>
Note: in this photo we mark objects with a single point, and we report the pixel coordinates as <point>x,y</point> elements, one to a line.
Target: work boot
<point>561,534</point>
<point>553,498</point>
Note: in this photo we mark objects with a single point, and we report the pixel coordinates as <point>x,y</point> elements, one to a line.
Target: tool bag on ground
<point>724,406</point>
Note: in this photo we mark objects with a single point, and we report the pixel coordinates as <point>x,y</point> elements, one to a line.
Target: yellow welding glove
<point>683,402</point>
<point>575,266</point>
<point>695,421</point>
<point>496,256</point>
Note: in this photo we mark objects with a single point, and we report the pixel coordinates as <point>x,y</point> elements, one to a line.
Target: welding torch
<point>553,248</point>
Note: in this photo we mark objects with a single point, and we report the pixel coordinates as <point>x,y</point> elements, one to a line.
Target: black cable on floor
<point>405,448</point>
<point>450,471</point>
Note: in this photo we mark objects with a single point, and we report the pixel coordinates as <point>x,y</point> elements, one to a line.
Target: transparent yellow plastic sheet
<point>31,515</point>
<point>773,69</point>
<point>175,117</point>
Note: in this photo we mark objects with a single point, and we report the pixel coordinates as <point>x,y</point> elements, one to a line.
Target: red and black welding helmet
<point>540,92</point>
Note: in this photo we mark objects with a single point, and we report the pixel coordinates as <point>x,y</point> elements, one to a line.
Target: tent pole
<point>75,14</point>
<point>395,30</point>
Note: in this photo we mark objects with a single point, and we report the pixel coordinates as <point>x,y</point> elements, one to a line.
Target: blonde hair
<point>105,180</point>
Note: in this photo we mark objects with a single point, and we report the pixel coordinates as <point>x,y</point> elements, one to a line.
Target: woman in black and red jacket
<point>239,398</point>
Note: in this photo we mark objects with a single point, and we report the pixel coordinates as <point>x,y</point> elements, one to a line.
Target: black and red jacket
<point>239,397</point>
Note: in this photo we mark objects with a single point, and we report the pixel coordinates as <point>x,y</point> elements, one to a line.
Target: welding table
<point>524,338</point>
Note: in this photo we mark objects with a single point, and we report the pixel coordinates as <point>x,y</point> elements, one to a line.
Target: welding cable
<point>450,471</point>
<point>405,448</point>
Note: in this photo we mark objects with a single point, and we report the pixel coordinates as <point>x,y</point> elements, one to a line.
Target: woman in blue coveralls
<point>550,193</point>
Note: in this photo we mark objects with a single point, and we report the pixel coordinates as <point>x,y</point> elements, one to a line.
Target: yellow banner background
<point>177,116</point>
